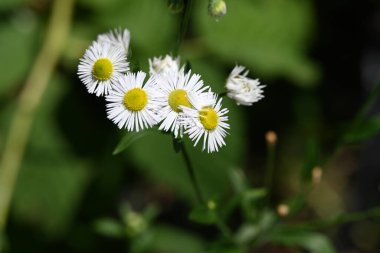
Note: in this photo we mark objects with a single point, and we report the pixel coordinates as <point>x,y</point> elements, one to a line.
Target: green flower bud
<point>217,8</point>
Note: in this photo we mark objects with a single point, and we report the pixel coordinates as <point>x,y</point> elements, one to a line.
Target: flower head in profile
<point>159,65</point>
<point>244,90</point>
<point>206,119</point>
<point>116,38</point>
<point>173,90</point>
<point>100,66</point>
<point>132,104</point>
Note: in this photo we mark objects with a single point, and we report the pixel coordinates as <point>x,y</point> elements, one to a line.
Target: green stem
<point>29,100</point>
<point>191,172</point>
<point>271,150</point>
<point>184,24</point>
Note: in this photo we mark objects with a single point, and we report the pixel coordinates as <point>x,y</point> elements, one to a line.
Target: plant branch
<point>29,101</point>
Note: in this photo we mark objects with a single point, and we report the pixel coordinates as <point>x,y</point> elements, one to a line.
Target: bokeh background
<point>318,59</point>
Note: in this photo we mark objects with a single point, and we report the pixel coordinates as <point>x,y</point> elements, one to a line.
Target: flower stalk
<point>190,170</point>
<point>29,101</point>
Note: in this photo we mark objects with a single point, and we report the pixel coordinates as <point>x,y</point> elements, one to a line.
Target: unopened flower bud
<point>317,175</point>
<point>176,6</point>
<point>217,8</point>
<point>283,210</point>
<point>211,205</point>
<point>271,137</point>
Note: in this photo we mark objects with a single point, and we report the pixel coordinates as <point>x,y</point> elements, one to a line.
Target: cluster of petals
<point>175,99</point>
<point>242,89</point>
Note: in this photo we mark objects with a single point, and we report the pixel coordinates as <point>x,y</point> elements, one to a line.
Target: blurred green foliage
<point>69,154</point>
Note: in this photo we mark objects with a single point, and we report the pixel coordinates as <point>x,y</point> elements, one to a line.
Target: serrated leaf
<point>364,131</point>
<point>109,227</point>
<point>128,139</point>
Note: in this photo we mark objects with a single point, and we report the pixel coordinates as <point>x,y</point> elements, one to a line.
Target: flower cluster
<point>175,99</point>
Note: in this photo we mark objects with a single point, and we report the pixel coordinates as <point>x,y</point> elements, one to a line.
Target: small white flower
<point>161,65</point>
<point>131,104</point>
<point>117,38</point>
<point>100,66</point>
<point>173,89</point>
<point>208,120</point>
<point>244,90</point>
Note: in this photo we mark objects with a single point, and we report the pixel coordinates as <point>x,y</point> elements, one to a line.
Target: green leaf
<point>3,242</point>
<point>246,233</point>
<point>8,4</point>
<point>364,131</point>
<point>238,180</point>
<point>110,228</point>
<point>128,139</point>
<point>52,180</point>
<point>312,241</point>
<point>272,39</point>
<point>170,239</point>
<point>202,214</point>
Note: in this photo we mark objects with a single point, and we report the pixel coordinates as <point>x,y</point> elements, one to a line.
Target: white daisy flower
<point>131,104</point>
<point>244,90</point>
<point>208,120</point>
<point>161,65</point>
<point>117,38</point>
<point>100,66</point>
<point>173,89</point>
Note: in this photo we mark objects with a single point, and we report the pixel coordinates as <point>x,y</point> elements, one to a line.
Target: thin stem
<point>184,24</point>
<point>191,172</point>
<point>29,100</point>
<point>271,150</point>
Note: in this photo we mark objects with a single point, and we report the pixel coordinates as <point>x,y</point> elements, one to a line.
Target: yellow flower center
<point>178,97</point>
<point>102,69</point>
<point>135,99</point>
<point>209,118</point>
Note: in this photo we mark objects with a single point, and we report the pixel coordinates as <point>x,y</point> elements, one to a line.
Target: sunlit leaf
<point>312,241</point>
<point>110,228</point>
